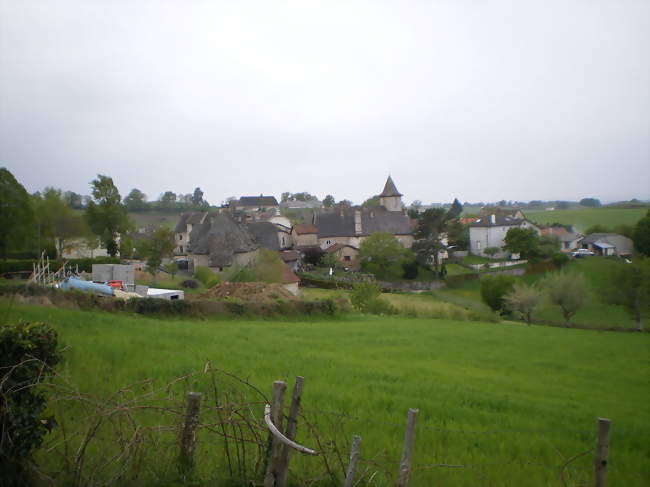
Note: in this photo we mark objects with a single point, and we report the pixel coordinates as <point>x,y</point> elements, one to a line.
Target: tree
<point>329,201</point>
<point>197,198</point>
<point>370,202</point>
<point>167,199</point>
<point>566,290</point>
<point>73,200</point>
<point>429,236</point>
<point>522,241</point>
<point>136,200</point>
<point>328,260</point>
<point>629,285</point>
<point>17,223</point>
<point>641,235</point>
<point>171,268</point>
<point>155,248</point>
<point>456,209</point>
<point>344,204</point>
<point>495,288</point>
<point>285,196</point>
<point>523,299</point>
<point>55,219</point>
<point>590,202</point>
<point>105,214</point>
<point>492,251</point>
<point>457,234</point>
<point>548,245</point>
<point>597,228</point>
<point>382,254</point>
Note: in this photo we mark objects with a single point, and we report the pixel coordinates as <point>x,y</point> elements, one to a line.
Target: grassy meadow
<point>501,404</point>
<point>583,218</point>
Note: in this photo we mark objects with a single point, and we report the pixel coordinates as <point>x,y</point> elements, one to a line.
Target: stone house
<point>490,232</point>
<point>348,227</point>
<point>259,203</point>
<point>270,236</point>
<point>304,235</point>
<point>569,241</point>
<point>184,227</point>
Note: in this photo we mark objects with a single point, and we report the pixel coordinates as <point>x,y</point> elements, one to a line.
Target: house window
<point>346,258</point>
<point>180,237</point>
<point>478,245</point>
<point>181,249</point>
<point>328,242</point>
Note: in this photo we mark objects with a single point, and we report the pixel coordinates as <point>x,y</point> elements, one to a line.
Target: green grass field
<point>509,403</point>
<point>583,218</point>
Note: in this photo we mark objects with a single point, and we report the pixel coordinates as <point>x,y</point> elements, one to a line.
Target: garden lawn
<point>507,402</point>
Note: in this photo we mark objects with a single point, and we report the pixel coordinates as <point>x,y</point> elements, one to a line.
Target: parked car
<point>582,253</point>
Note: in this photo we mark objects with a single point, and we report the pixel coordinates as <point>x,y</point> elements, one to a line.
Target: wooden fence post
<point>188,435</point>
<point>407,455</point>
<point>290,432</point>
<point>600,453</point>
<point>352,466</point>
<point>275,447</point>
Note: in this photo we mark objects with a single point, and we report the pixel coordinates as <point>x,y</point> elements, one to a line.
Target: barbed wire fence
<point>149,433</point>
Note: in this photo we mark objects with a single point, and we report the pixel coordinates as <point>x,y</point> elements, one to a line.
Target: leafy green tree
<point>344,204</point>
<point>494,290</point>
<point>566,290</point>
<point>523,299</point>
<point>548,245</point>
<point>73,200</point>
<point>171,268</point>
<point>127,246</point>
<point>382,254</point>
<point>55,219</point>
<point>456,209</point>
<point>458,234</point>
<point>364,294</point>
<point>432,225</point>
<point>329,201</point>
<point>590,202</point>
<point>641,235</point>
<point>522,241</point>
<point>17,223</point>
<point>371,202</point>
<point>597,228</point>
<point>136,200</point>
<point>629,285</point>
<point>168,199</point>
<point>155,248</point>
<point>105,214</point>
<point>328,260</point>
<point>197,198</point>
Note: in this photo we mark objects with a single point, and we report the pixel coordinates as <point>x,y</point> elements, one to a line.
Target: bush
<point>27,355</point>
<point>190,284</point>
<point>242,274</point>
<point>560,260</point>
<point>494,290</point>
<point>410,269</point>
<point>206,276</point>
<point>566,290</point>
<point>365,297</point>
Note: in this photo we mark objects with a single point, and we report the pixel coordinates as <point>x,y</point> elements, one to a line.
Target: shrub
<point>566,290</point>
<point>494,289</point>
<point>328,260</point>
<point>560,260</point>
<point>492,251</point>
<point>242,274</point>
<point>363,293</point>
<point>206,276</point>
<point>27,355</point>
<point>411,270</point>
<point>523,299</point>
<point>190,284</point>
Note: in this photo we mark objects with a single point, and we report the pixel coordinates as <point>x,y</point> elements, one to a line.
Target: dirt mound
<point>249,291</point>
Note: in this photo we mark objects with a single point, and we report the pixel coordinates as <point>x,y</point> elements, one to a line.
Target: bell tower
<point>390,198</point>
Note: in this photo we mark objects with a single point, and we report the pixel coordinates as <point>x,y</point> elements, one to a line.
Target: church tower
<point>390,198</point>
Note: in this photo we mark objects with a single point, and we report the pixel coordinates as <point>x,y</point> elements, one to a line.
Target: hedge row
<point>85,265</point>
<point>195,308</point>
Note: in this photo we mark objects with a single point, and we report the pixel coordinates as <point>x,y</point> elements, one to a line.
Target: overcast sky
<point>477,99</point>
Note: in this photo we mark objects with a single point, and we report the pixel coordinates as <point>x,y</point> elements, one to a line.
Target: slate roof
<point>220,237</point>
<point>390,189</point>
<point>305,228</point>
<point>257,201</point>
<point>265,233</point>
<point>338,246</point>
<point>499,221</point>
<point>596,237</point>
<point>289,255</point>
<point>194,218</point>
<point>340,222</point>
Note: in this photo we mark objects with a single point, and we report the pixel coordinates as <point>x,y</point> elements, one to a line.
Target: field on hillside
<point>500,404</point>
<point>583,218</point>
<point>155,218</point>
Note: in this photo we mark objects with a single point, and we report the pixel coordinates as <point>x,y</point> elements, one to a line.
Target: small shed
<point>168,294</point>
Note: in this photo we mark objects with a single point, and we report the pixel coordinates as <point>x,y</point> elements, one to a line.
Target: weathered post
<point>290,432</point>
<point>407,455</point>
<point>275,446</point>
<point>600,453</point>
<point>352,466</point>
<point>188,435</point>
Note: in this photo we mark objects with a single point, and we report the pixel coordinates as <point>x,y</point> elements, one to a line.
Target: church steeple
<point>390,198</point>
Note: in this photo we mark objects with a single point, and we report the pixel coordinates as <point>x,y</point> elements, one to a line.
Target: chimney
<point>493,218</point>
<point>357,222</point>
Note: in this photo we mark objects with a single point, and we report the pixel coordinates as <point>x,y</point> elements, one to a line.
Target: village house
<point>489,231</point>
<point>250,204</point>
<point>342,230</point>
<point>569,240</point>
<point>608,244</point>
